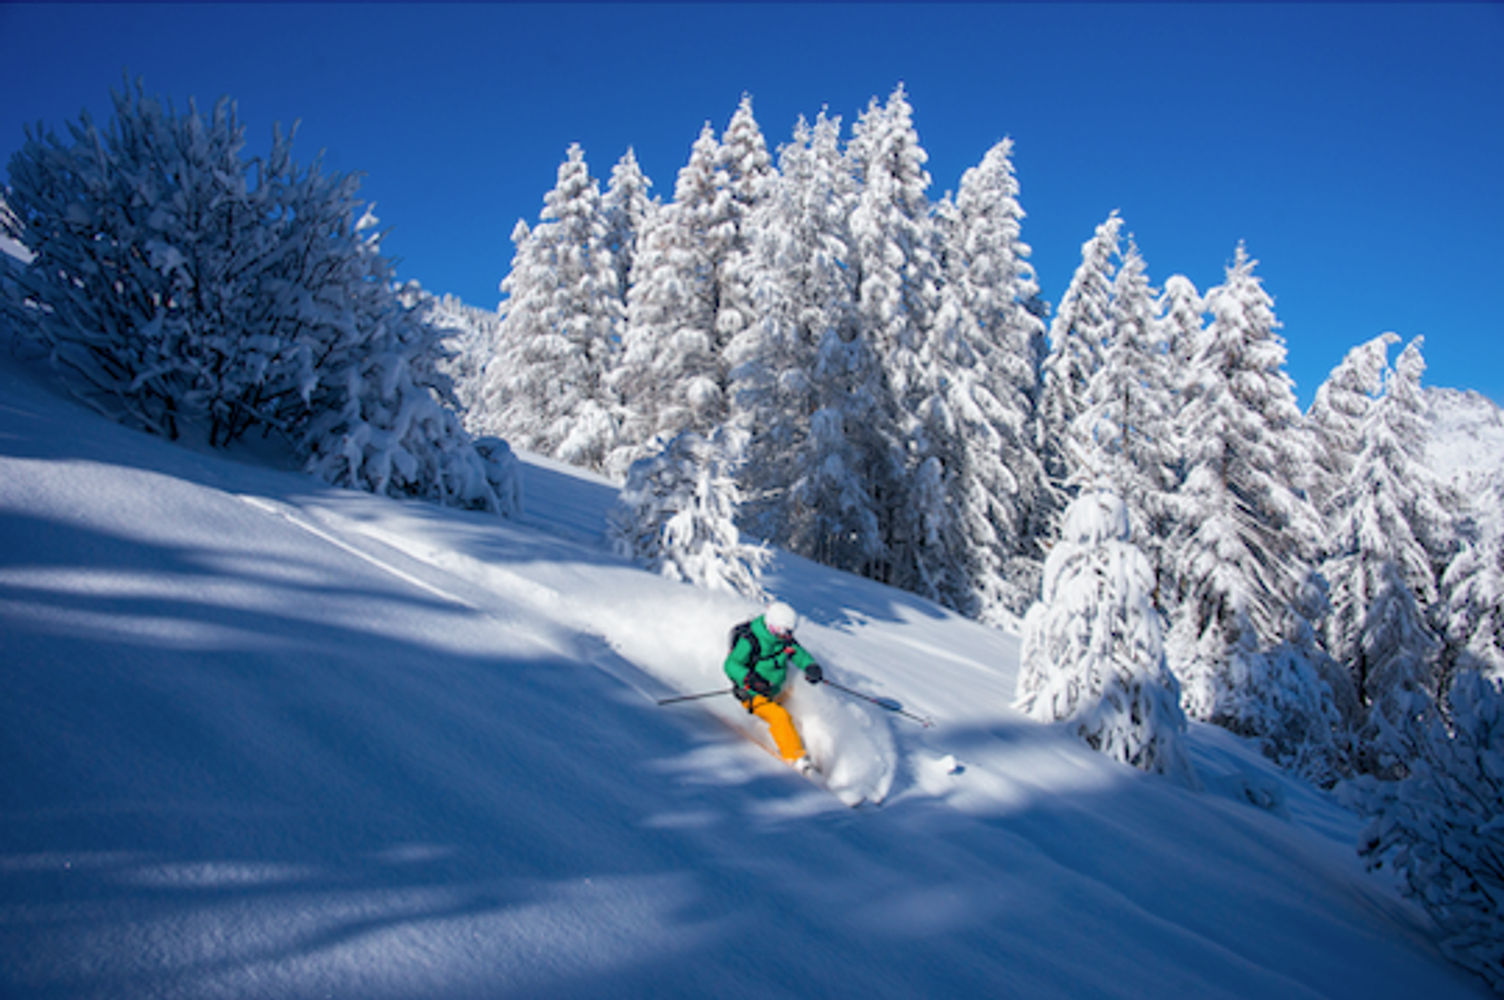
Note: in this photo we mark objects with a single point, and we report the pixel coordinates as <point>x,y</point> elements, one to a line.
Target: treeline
<point>819,353</point>
<point>872,372</point>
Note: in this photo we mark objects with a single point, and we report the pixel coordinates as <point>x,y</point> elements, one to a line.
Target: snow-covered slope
<point>263,738</point>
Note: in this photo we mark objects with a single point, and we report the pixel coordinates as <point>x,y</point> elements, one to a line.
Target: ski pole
<point>694,697</point>
<point>883,703</point>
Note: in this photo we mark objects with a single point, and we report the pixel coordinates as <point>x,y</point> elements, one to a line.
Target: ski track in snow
<point>265,738</point>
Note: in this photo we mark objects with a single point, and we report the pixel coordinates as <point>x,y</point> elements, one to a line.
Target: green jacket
<point>769,655</point>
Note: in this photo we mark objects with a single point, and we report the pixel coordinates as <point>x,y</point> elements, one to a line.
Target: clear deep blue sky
<point>1357,149</point>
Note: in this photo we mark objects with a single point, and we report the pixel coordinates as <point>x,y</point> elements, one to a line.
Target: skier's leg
<point>781,726</point>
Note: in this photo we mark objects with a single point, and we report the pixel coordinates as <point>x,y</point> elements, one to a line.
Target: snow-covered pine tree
<point>174,294</point>
<point>691,291</point>
<point>1337,415</point>
<point>671,377</point>
<point>897,283</point>
<point>1078,335</point>
<point>1181,322</point>
<point>624,210</point>
<point>546,388</point>
<point>745,176</point>
<point>1434,513</point>
<point>838,497</point>
<point>797,483</point>
<point>1093,654</point>
<point>1383,585</point>
<point>677,515</point>
<point>1281,697</point>
<point>1247,534</point>
<point>988,285</point>
<point>1440,826</point>
<point>1182,318</point>
<point>1129,407</point>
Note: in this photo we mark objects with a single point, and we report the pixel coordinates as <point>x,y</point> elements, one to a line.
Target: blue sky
<point>1357,149</point>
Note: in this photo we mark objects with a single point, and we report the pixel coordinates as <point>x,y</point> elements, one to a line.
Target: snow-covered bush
<point>177,285</point>
<point>677,516</point>
<point>1442,827</point>
<point>1093,651</point>
<point>386,429</point>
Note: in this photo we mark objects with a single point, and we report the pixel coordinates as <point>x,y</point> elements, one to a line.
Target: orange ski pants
<point>781,726</point>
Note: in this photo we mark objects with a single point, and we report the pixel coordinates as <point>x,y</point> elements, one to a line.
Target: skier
<point>758,665</point>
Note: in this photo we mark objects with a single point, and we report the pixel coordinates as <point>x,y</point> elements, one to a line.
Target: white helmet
<point>780,618</point>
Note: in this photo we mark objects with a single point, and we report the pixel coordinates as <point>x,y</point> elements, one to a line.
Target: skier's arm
<point>800,658</point>
<point>737,662</point>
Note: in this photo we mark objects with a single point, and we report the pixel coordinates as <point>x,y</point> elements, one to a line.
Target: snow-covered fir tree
<point>1383,584</point>
<point>1337,416</point>
<point>672,374</point>
<point>677,515</point>
<point>799,485</point>
<point>1439,827</point>
<point>1244,545</point>
<point>1436,510</point>
<point>1078,335</point>
<point>175,294</point>
<point>1182,318</point>
<point>624,210</point>
<point>1181,322</point>
<point>1093,654</point>
<point>691,292</point>
<point>1386,494</point>
<point>546,388</point>
<point>745,177</point>
<point>897,284</point>
<point>834,512</point>
<point>999,481</point>
<point>1128,413</point>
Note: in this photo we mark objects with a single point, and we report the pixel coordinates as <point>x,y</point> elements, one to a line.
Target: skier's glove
<point>813,673</point>
<point>757,683</point>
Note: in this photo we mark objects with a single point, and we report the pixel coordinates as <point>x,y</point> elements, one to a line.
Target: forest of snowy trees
<point>872,378</point>
<point>808,350</point>
<point>874,374</point>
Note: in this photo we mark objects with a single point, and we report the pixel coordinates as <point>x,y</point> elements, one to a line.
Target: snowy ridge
<point>267,738</point>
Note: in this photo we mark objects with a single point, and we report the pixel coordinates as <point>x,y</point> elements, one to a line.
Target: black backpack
<point>743,630</point>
